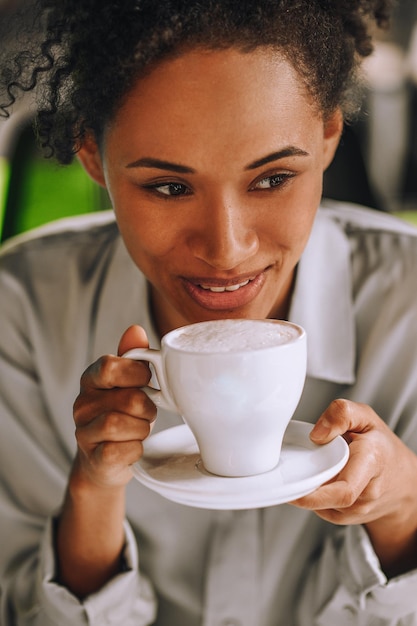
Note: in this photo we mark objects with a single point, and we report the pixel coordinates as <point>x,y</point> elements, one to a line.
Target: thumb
<point>134,337</point>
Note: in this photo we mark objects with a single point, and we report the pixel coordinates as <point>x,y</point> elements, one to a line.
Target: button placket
<point>231,589</point>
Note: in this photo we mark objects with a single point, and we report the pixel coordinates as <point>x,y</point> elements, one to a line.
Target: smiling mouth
<point>226,288</point>
<point>213,295</point>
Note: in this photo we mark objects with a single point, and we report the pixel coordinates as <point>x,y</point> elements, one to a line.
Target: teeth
<point>236,287</point>
<point>222,289</point>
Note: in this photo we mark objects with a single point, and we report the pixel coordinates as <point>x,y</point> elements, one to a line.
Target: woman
<point>210,125</point>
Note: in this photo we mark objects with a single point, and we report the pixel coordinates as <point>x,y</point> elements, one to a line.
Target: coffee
<point>233,336</point>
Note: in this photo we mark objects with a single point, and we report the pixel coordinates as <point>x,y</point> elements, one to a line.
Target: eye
<point>269,182</point>
<point>169,189</point>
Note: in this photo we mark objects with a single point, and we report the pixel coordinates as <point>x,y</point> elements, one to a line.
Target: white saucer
<point>171,466</point>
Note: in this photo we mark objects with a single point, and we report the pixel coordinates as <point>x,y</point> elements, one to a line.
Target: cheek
<point>146,238</point>
<point>141,240</point>
<point>294,217</point>
<point>144,230</point>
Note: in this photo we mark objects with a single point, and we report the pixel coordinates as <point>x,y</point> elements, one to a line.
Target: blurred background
<point>375,165</point>
<point>35,190</point>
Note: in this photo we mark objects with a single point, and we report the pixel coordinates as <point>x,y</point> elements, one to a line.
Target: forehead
<point>219,73</point>
<point>228,93</point>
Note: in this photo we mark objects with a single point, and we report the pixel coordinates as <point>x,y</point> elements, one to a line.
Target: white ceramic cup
<point>236,383</point>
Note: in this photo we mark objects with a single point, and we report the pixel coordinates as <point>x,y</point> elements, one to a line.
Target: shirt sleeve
<point>36,450</point>
<point>126,599</point>
<point>347,586</point>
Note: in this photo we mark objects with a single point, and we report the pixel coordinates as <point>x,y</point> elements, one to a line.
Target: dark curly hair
<point>90,52</point>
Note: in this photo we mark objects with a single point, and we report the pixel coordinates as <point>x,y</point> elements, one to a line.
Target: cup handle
<point>160,398</point>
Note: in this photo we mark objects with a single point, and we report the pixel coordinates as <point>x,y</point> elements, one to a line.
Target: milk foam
<point>232,336</point>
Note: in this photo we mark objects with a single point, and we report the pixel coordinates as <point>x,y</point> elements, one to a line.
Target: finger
<point>341,417</point>
<point>120,454</point>
<point>344,491</point>
<point>112,427</point>
<point>111,371</point>
<point>132,402</point>
<point>134,337</point>
<point>110,461</point>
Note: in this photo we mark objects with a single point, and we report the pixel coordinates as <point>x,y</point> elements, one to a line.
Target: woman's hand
<point>113,415</point>
<point>377,487</point>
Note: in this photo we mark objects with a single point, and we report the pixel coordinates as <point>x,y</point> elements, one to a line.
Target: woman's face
<point>214,166</point>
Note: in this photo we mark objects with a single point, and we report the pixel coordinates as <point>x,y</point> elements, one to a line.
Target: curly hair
<point>91,52</point>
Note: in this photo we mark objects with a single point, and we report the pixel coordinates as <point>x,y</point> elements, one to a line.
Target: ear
<point>90,158</point>
<point>333,128</point>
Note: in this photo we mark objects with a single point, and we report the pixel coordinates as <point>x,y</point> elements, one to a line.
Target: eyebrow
<point>161,165</point>
<point>289,151</point>
<point>151,162</point>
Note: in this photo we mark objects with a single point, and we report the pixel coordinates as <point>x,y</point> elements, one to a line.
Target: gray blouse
<point>67,292</point>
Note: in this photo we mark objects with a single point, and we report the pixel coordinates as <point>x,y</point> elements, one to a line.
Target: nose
<point>225,236</point>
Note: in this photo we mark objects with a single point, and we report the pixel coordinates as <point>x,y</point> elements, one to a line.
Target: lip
<point>233,298</point>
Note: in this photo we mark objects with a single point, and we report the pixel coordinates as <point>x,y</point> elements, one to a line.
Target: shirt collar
<point>322,302</point>
<point>121,303</point>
